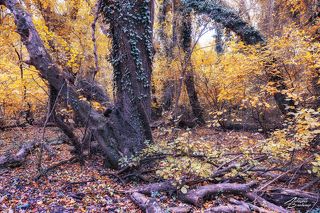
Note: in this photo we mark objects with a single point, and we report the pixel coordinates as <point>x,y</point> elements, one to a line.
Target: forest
<point>160,106</point>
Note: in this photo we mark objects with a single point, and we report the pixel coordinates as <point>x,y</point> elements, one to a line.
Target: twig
<point>44,172</point>
<point>310,184</point>
<point>279,176</point>
<point>44,129</point>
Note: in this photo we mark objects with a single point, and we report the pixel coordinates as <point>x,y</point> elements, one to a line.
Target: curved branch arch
<point>228,18</point>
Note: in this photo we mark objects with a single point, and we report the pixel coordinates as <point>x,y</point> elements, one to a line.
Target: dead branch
<point>249,205</point>
<point>44,172</point>
<point>296,168</point>
<point>155,187</point>
<point>231,208</point>
<point>148,205</point>
<point>199,195</point>
<point>294,196</point>
<point>310,184</point>
<point>264,203</point>
<point>16,160</point>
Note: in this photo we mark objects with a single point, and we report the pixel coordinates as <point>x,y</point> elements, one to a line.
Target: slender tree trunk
<point>219,39</point>
<point>186,42</point>
<point>285,103</point>
<point>316,77</point>
<point>167,45</point>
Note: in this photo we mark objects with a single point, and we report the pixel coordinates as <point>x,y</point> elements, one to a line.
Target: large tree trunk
<point>119,134</point>
<point>132,55</point>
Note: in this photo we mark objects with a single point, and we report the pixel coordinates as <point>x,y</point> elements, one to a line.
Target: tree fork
<point>114,140</point>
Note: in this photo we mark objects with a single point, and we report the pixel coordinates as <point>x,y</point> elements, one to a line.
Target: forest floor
<point>75,188</point>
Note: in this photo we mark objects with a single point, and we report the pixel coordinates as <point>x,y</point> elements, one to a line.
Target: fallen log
<point>250,206</point>
<point>148,205</point>
<point>296,193</point>
<point>294,199</point>
<point>264,203</point>
<point>245,208</point>
<point>229,209</point>
<point>155,187</point>
<point>199,195</point>
<point>180,209</point>
<point>17,159</point>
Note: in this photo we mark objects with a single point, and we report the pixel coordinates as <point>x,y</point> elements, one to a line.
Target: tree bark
<point>132,55</point>
<point>228,18</point>
<point>219,39</point>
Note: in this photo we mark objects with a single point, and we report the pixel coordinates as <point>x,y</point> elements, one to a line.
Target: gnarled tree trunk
<point>132,55</point>
<point>126,127</point>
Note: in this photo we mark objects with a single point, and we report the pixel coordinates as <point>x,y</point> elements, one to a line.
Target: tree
<point>186,44</point>
<point>230,20</point>
<point>132,60</point>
